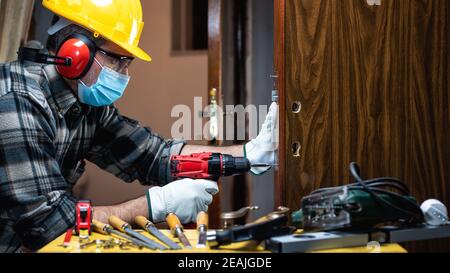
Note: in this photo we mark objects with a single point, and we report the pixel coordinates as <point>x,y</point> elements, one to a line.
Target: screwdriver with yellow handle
<point>123,226</point>
<point>202,228</point>
<point>177,229</point>
<point>145,224</point>
<point>106,229</point>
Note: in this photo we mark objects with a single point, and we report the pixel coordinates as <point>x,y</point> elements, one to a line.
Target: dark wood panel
<point>239,186</point>
<point>280,64</point>
<point>373,83</point>
<point>215,80</point>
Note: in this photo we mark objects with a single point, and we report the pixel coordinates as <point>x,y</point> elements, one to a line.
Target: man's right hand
<point>185,198</point>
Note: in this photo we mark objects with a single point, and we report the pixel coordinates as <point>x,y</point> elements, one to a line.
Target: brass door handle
<point>229,217</point>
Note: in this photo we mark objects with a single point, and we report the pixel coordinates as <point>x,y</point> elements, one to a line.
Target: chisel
<point>108,230</point>
<point>202,228</point>
<point>123,226</point>
<point>177,229</point>
<point>145,224</point>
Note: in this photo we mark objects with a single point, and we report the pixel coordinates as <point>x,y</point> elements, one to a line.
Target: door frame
<point>279,62</point>
<point>215,38</point>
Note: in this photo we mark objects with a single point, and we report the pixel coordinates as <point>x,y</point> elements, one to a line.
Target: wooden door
<point>365,81</point>
<point>15,19</point>
<point>280,72</point>
<point>215,11</point>
<point>228,34</point>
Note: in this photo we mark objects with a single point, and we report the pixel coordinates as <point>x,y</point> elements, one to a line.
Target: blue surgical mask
<point>110,87</point>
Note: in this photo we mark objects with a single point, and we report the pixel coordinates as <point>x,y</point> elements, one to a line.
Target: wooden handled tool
<point>202,219</point>
<point>100,227</point>
<point>145,224</point>
<point>142,222</point>
<point>106,229</point>
<point>177,229</point>
<point>118,223</point>
<point>123,226</point>
<point>202,228</point>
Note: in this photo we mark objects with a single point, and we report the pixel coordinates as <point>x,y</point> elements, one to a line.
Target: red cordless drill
<point>210,166</point>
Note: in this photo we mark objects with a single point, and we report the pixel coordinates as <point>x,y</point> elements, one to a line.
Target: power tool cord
<point>414,211</point>
<point>376,186</point>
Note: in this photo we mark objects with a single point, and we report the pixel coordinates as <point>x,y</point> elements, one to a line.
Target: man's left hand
<point>263,149</point>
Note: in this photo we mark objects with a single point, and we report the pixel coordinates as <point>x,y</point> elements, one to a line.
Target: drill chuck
<point>229,165</point>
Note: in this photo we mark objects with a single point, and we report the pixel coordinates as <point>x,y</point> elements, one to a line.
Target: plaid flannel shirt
<point>45,137</point>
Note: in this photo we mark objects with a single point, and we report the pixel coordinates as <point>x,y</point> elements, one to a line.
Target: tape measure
<point>83,226</point>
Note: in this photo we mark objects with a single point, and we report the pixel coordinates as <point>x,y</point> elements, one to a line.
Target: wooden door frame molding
<point>215,47</point>
<point>215,38</point>
<point>14,33</point>
<point>279,62</point>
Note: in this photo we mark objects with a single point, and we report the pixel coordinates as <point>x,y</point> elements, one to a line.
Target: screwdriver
<point>151,228</point>
<point>202,227</point>
<point>123,226</point>
<point>177,229</point>
<point>108,230</point>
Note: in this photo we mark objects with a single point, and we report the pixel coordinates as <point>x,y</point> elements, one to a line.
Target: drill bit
<point>262,165</point>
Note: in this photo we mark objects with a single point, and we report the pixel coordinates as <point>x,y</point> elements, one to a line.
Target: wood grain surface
<point>280,66</point>
<point>373,82</point>
<point>15,19</point>
<point>215,80</point>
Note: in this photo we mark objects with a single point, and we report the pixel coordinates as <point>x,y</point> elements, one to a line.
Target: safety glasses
<point>116,62</point>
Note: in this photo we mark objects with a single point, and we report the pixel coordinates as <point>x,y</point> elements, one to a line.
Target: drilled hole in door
<point>296,147</point>
<point>296,107</point>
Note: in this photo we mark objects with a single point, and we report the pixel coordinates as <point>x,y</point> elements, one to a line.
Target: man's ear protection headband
<point>73,60</point>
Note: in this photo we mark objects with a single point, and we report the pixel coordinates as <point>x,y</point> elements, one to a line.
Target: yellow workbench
<point>192,235</point>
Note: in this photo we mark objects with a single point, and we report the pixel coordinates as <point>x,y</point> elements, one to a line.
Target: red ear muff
<point>81,51</point>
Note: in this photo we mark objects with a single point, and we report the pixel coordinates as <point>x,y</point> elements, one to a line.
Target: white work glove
<point>185,198</point>
<point>263,149</point>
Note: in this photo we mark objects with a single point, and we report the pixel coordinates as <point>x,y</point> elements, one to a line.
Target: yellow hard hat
<point>119,21</point>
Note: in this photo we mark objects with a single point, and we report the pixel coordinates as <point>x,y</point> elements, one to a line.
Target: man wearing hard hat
<point>57,111</point>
